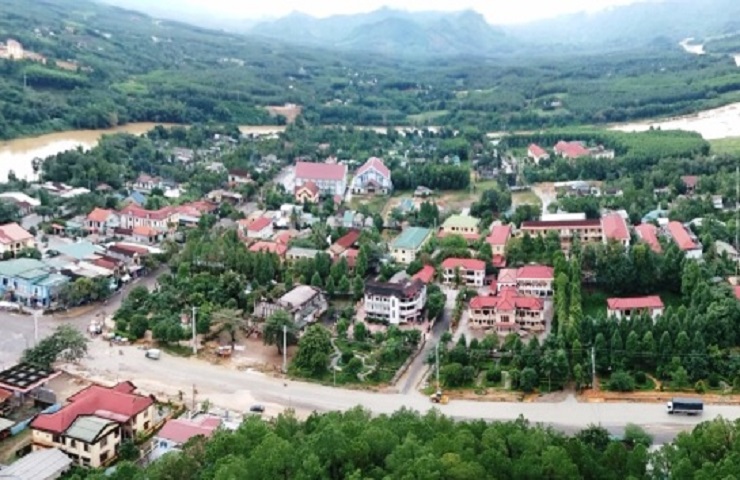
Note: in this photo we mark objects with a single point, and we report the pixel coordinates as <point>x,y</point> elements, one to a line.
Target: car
<point>257,408</point>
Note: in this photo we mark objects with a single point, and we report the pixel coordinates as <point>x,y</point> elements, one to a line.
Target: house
<point>571,150</point>
<point>426,274</point>
<point>724,248</point>
<point>648,233</point>
<point>147,183</point>
<point>92,426</point>
<point>307,193</point>
<point>238,176</point>
<point>624,308</point>
<point>587,231</point>
<point>261,228</point>
<point>537,153</point>
<point>599,152</point>
<point>100,220</point>
<point>685,240</point>
<point>25,204</point>
<point>304,304</point>
<point>470,272</point>
<point>463,225</point>
<point>717,202</point>
<point>269,247</point>
<point>690,182</point>
<point>146,235</point>
<point>135,198</point>
<point>614,228</point>
<point>183,155</point>
<point>372,177</point>
<point>189,214</point>
<point>530,280</point>
<point>396,303</point>
<point>298,253</point>
<point>30,282</point>
<point>225,196</point>
<point>499,237</point>
<point>47,464</point>
<point>14,238</point>
<point>344,243</point>
<point>177,431</point>
<point>406,246</point>
<point>507,312</point>
<point>331,178</point>
<point>162,220</point>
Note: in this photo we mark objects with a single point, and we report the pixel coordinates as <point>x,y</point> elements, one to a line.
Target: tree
<point>66,344</point>
<point>316,280</point>
<point>636,435</point>
<point>621,382</point>
<point>274,327</point>
<point>360,332</point>
<point>344,285</point>
<point>330,288</point>
<point>528,380</point>
<point>314,349</point>
<point>228,320</point>
<point>358,288</point>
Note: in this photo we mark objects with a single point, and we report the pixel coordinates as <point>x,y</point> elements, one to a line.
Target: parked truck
<point>689,406</point>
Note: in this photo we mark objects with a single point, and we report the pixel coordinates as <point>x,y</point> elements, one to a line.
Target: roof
<point>136,211</point>
<point>690,180</point>
<point>461,221</point>
<point>99,215</point>
<point>303,252</point>
<point>312,188</point>
<point>631,303</point>
<point>376,164</point>
<point>649,234</point>
<point>537,151</point>
<point>320,171</point>
<point>20,197</point>
<point>23,267</point>
<point>79,250</point>
<point>411,238</point>
<point>41,464</point>
<point>614,227</point>
<point>180,430</point>
<point>24,377</point>
<point>499,235</point>
<point>144,231</point>
<point>299,295</point>
<point>387,289</point>
<point>269,247</point>
<point>507,275</point>
<point>284,237</point>
<point>571,149</point>
<point>561,224</point>
<point>5,394</point>
<point>87,428</point>
<point>4,425</point>
<point>259,224</point>
<point>535,271</point>
<point>12,232</point>
<point>681,236</point>
<point>737,291</point>
<point>508,299</point>
<point>464,263</point>
<point>349,239</point>
<point>426,274</point>
<point>119,401</point>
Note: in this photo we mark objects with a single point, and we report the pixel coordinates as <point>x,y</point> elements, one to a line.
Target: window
<point>86,447</point>
<point>73,443</point>
<point>103,442</point>
<point>103,457</point>
<point>56,439</point>
<point>146,425</point>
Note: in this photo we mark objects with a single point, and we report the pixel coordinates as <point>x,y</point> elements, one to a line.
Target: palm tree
<point>228,320</point>
<point>272,331</point>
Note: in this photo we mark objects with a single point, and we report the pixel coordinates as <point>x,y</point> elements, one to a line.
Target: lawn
<point>375,204</point>
<point>425,117</point>
<point>526,197</point>
<point>729,146</point>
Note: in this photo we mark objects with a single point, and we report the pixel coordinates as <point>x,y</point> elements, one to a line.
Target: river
<point>17,155</point>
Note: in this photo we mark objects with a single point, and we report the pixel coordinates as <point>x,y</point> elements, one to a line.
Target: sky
<point>495,11</point>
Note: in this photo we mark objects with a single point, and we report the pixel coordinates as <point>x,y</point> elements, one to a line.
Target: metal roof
<point>21,266</point>
<point>39,465</point>
<point>411,238</point>
<point>461,221</point>
<point>87,429</point>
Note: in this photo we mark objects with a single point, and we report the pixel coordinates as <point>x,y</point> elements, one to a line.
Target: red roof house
<point>345,242</point>
<point>615,228</point>
<point>463,264</point>
<point>471,272</point>
<point>260,228</point>
<point>648,233</point>
<point>426,274</point>
<point>508,311</point>
<point>537,153</point>
<point>737,291</point>
<point>307,193</point>
<point>320,171</point>
<point>690,181</point>
<point>180,430</point>
<point>571,149</point>
<point>269,247</point>
<point>500,235</point>
<point>626,307</point>
<point>539,272</point>
<point>682,237</point>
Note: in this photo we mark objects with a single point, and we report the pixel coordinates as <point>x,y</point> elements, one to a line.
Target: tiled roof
<point>269,247</point>
<point>349,239</point>
<point>99,215</point>
<point>571,149</point>
<point>426,274</point>
<point>537,151</point>
<point>632,303</point>
<point>499,235</point>
<point>507,275</point>
<point>498,261</point>
<point>136,211</point>
<point>320,171</point>
<point>649,234</point>
<point>614,227</point>
<point>94,400</point>
<point>259,224</point>
<point>464,263</point>
<point>561,224</point>
<point>12,232</point>
<point>310,186</point>
<point>411,238</point>
<point>144,231</point>
<point>351,255</point>
<point>535,271</point>
<point>284,237</point>
<point>681,236</point>
<point>737,292</point>
<point>180,430</point>
<point>690,180</point>
<point>507,300</point>
<point>374,163</point>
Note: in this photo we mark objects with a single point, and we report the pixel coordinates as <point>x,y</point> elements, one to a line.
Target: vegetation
<point>405,444</point>
<point>66,343</point>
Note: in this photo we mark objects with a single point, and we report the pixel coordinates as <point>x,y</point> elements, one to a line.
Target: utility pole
<point>192,410</point>
<point>593,368</point>
<point>436,361</point>
<point>195,345</point>
<point>285,349</point>
<point>35,327</point>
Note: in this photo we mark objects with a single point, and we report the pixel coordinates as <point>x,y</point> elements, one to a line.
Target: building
<point>648,233</point>
<point>14,238</point>
<point>307,193</point>
<point>304,304</point>
<point>463,225</point>
<point>571,150</point>
<point>690,182</point>
<point>587,231</point>
<point>162,220</point>
<point>529,280</point>
<point>537,153</point>
<point>30,282</point>
<point>406,246</point>
<point>25,204</point>
<point>298,253</point>
<point>685,240</point>
<point>48,464</point>
<point>101,220</point>
<point>224,196</point>
<point>269,247</point>
<point>373,177</point>
<point>260,229</point>
<point>147,183</point>
<point>724,248</point>
<point>620,308</point>
<point>499,237</point>
<point>177,431</point>
<point>507,312</point>
<point>614,228</point>
<point>331,178</point>
<point>426,274</point>
<point>471,272</point>
<point>395,303</point>
<point>238,176</point>
<point>92,426</point>
<point>344,243</point>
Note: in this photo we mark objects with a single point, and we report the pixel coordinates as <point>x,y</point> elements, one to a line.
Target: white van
<point>153,353</point>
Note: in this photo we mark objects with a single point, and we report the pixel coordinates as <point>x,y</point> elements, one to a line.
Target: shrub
<point>640,378</point>
<point>494,375</point>
<point>621,382</point>
<point>700,387</point>
<point>714,380</point>
<point>635,435</point>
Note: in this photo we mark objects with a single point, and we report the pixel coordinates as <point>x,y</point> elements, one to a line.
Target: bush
<point>714,380</point>
<point>621,382</point>
<point>493,375</point>
<point>640,378</point>
<point>700,386</point>
<point>635,435</point>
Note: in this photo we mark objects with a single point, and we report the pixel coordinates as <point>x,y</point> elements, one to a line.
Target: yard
<point>375,204</point>
<point>727,146</point>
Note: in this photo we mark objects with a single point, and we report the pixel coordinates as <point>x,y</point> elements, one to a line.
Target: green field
<point>426,116</point>
<point>725,146</point>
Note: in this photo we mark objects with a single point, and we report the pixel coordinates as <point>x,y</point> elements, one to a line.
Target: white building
<point>472,272</point>
<point>331,178</point>
<point>372,177</point>
<point>395,302</point>
<point>620,308</point>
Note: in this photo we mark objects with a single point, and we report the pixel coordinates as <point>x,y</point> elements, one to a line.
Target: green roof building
<point>461,224</point>
<point>406,246</point>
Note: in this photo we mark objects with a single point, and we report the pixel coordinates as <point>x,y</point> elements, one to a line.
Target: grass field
<point>425,117</point>
<point>527,197</point>
<point>375,204</point>
<point>728,146</point>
